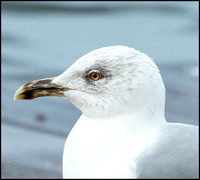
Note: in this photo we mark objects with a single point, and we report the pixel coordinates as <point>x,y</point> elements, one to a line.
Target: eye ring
<point>94,76</point>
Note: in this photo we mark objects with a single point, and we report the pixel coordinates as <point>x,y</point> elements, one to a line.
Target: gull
<point>122,132</point>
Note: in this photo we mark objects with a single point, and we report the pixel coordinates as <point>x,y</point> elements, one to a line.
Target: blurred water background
<point>42,39</point>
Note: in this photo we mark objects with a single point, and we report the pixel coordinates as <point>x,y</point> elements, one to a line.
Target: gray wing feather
<point>173,155</point>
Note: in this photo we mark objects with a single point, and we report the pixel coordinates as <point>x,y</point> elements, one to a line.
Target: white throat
<point>94,141</point>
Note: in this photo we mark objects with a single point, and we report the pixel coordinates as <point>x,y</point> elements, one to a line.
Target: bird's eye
<point>94,76</point>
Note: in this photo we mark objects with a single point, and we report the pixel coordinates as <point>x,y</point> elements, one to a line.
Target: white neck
<point>95,140</point>
<point>134,123</point>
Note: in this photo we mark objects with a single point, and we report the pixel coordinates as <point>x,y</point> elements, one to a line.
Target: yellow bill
<point>39,88</point>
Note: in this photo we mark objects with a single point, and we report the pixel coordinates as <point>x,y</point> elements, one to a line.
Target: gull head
<point>106,82</point>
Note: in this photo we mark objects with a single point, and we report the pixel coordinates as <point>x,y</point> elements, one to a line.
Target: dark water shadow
<point>34,7</point>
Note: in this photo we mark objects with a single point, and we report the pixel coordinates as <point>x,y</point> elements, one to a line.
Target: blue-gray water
<point>42,39</point>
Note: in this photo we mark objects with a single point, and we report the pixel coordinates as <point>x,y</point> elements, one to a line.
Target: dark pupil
<point>94,75</point>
